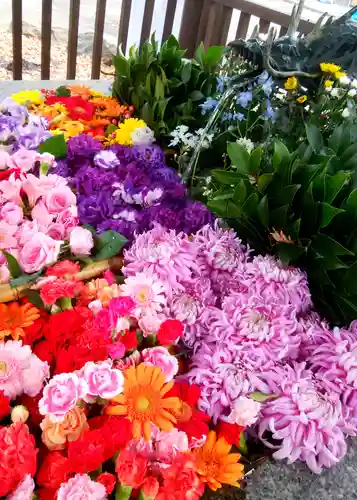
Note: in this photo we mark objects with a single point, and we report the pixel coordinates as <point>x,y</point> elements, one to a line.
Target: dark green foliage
<point>308,201</point>
<point>165,88</point>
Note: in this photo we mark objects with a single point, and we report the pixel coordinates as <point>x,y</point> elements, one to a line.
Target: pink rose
<point>25,489</point>
<point>41,215</point>
<point>160,356</point>
<point>4,274</point>
<point>170,444</point>
<point>11,213</point>
<point>35,187</point>
<point>59,198</point>
<point>4,159</point>
<point>23,159</point>
<point>10,189</point>
<point>7,235</point>
<point>57,231</point>
<point>81,487</point>
<point>61,395</point>
<point>38,252</point>
<point>27,231</point>
<point>69,218</point>
<point>81,241</point>
<point>45,158</point>
<point>102,380</point>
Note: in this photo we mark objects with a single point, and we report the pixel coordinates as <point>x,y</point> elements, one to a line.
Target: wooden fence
<point>202,20</point>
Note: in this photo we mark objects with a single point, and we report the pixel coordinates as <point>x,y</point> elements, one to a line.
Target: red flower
<point>131,469</point>
<point>34,332</point>
<point>54,290</point>
<point>5,407</point>
<point>150,488</point>
<point>17,456</point>
<point>181,481</point>
<point>43,350</point>
<point>31,403</point>
<point>45,494</point>
<point>54,471</point>
<point>65,269</point>
<point>170,331</point>
<point>129,339</point>
<point>190,419</point>
<point>108,481</point>
<point>230,432</point>
<point>5,174</point>
<point>79,109</point>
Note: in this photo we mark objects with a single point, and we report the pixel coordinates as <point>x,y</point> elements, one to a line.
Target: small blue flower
<point>270,113</point>
<point>208,105</point>
<point>266,82</point>
<point>244,98</point>
<point>238,116</point>
<point>222,83</point>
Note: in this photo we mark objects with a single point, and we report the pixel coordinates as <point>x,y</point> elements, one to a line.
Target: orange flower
<point>215,465</point>
<point>143,401</point>
<point>55,435</point>
<point>14,318</point>
<point>80,90</point>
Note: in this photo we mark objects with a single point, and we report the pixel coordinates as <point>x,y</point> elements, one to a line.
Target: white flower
<point>352,93</point>
<point>142,136</point>
<point>354,84</point>
<point>245,412</point>
<point>345,80</point>
<point>335,92</point>
<point>346,113</point>
<point>152,196</point>
<point>246,144</point>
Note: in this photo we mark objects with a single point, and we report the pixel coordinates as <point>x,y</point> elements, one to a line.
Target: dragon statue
<point>333,41</point>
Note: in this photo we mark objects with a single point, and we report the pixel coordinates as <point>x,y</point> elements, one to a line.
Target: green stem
<point>66,303</point>
<point>123,492</point>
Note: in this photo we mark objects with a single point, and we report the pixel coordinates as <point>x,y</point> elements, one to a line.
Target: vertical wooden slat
<point>204,32</point>
<point>98,38</point>
<point>169,19</point>
<point>243,25</point>
<point>218,23</point>
<point>17,39</point>
<point>264,26</point>
<point>73,39</point>
<point>147,20</point>
<point>124,24</point>
<point>283,31</point>
<point>46,39</point>
<point>227,13</point>
<point>189,25</point>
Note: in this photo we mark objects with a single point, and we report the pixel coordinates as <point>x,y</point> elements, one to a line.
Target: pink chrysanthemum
<point>277,283</point>
<point>224,374</point>
<point>306,419</point>
<point>147,292</point>
<point>168,255</point>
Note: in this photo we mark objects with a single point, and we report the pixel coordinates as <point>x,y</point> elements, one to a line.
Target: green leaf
<point>108,244</point>
<point>255,159</point>
<point>55,145</point>
<point>351,205</point>
<point>186,72</point>
<point>336,138</point>
<point>288,252</point>
<point>239,156</point>
<point>196,95</point>
<point>24,279</point>
<point>159,89</point>
<point>14,267</point>
<point>200,55</point>
<point>243,448</point>
<point>278,217</point>
<point>264,181</point>
<point>328,213</point>
<point>122,66</point>
<point>260,397</point>
<point>328,247</point>
<point>334,184</point>
<point>263,211</point>
<point>213,56</point>
<point>123,492</point>
<point>62,91</point>
<point>35,298</point>
<point>314,137</point>
<point>240,193</point>
<point>226,176</point>
<point>250,205</point>
<point>281,157</point>
<point>224,208</point>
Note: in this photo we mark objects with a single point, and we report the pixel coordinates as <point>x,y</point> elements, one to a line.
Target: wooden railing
<point>202,20</point>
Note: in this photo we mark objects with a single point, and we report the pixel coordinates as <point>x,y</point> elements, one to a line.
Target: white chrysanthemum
<point>142,136</point>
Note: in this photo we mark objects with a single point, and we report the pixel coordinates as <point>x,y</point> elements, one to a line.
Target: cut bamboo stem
<point>7,294</point>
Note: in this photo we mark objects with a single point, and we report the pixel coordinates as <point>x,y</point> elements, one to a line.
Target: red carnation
<point>129,339</point>
<point>87,453</point>
<point>181,481</point>
<point>43,350</point>
<point>65,269</point>
<point>230,432</point>
<point>131,469</point>
<point>5,407</point>
<point>45,494</point>
<point>190,419</point>
<point>54,471</point>
<point>108,481</point>
<point>170,331</point>
<point>17,456</point>
<point>150,488</point>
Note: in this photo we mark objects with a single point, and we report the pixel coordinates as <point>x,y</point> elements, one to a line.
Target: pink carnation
<point>24,491</point>
<point>61,394</point>
<point>81,486</point>
<point>21,371</point>
<point>102,380</point>
<point>306,419</point>
<point>169,444</point>
<point>160,356</point>
<point>245,412</point>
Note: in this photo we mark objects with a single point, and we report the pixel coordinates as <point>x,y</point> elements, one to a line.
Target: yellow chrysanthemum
<point>302,99</point>
<point>340,74</point>
<point>28,96</point>
<point>123,134</point>
<point>291,83</point>
<point>328,83</point>
<point>69,129</point>
<point>143,400</point>
<point>216,465</point>
<point>329,68</point>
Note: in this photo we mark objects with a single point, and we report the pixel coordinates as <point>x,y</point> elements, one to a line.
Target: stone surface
<point>279,481</point>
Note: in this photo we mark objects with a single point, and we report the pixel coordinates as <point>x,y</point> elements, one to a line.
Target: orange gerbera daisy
<point>215,465</point>
<point>143,401</point>
<point>14,318</point>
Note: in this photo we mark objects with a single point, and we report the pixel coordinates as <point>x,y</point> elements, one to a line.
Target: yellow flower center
<point>3,366</point>
<point>142,404</point>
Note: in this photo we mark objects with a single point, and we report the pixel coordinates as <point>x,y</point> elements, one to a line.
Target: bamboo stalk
<point>7,294</point>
